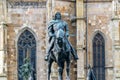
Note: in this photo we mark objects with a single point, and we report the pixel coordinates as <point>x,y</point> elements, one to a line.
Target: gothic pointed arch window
<point>27,49</point>
<point>99,56</point>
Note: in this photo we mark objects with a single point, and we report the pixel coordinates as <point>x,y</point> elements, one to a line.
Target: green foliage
<point>26,70</point>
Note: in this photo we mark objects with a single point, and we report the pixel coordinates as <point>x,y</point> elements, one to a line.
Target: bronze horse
<point>60,54</point>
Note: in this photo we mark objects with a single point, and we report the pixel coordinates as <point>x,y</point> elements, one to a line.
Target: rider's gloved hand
<point>51,35</point>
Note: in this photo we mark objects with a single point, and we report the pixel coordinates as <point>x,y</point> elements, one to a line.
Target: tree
<point>26,70</point>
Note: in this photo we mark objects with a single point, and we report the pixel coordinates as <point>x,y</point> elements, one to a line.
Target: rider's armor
<point>52,29</point>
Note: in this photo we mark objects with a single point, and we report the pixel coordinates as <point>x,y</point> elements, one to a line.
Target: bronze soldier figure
<point>90,74</point>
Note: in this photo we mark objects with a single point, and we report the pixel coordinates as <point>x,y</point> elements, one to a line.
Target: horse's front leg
<point>60,71</point>
<point>68,70</point>
<point>49,68</point>
<point>68,66</point>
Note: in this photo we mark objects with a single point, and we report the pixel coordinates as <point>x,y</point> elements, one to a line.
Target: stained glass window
<point>27,48</point>
<point>99,56</point>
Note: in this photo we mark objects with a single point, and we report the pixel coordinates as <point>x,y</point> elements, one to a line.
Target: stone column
<point>49,10</point>
<point>116,39</point>
<point>116,49</point>
<point>3,10</point>
<point>80,39</point>
<point>3,41</point>
<point>3,47</point>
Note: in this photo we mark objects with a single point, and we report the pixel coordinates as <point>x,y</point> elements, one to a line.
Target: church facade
<point>94,27</point>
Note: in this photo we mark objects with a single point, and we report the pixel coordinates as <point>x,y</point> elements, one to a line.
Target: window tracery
<point>27,49</point>
<point>99,56</point>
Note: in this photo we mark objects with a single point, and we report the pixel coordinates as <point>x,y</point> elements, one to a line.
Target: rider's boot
<point>74,54</point>
<point>46,57</point>
<point>48,52</point>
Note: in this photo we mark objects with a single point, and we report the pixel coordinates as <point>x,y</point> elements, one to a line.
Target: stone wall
<point>99,20</point>
<point>34,20</point>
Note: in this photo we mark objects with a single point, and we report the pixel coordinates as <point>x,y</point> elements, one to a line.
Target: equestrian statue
<point>60,49</point>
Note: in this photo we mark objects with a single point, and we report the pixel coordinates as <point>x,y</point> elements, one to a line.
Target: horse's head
<point>60,35</point>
